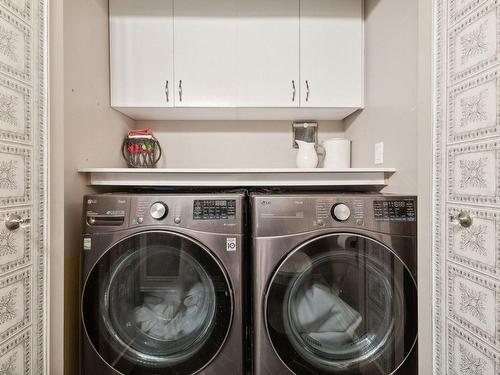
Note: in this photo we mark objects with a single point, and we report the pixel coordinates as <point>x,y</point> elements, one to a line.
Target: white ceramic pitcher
<point>307,156</point>
<point>337,153</point>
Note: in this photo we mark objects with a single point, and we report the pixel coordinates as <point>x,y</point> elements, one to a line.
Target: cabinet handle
<point>308,91</point>
<point>166,89</point>
<point>293,91</point>
<point>180,90</point>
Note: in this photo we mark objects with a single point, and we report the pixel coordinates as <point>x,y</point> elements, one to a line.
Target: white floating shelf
<point>168,177</point>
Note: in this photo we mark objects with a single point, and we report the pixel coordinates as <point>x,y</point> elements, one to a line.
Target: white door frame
<point>55,352</point>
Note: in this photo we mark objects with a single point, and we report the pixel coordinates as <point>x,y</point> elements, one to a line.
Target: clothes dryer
<point>334,284</point>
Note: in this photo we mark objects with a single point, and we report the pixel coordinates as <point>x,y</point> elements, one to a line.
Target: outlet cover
<point>379,153</point>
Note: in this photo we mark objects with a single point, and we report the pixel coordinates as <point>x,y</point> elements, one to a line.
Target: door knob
<point>14,221</point>
<point>463,219</point>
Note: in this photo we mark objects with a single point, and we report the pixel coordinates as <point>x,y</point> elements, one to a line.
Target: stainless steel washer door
<point>342,304</point>
<point>157,301</point>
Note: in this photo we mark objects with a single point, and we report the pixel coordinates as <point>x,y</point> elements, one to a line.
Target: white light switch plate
<point>379,153</point>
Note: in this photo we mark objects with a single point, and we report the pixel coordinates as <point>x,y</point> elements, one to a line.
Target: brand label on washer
<point>231,244</point>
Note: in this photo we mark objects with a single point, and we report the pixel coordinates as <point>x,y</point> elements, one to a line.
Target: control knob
<point>158,210</point>
<point>341,212</point>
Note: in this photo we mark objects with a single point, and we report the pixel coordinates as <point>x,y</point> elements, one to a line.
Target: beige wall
<point>230,144</point>
<point>93,133</point>
<point>390,92</point>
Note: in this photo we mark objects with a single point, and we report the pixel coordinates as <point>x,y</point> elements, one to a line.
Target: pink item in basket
<point>141,132</point>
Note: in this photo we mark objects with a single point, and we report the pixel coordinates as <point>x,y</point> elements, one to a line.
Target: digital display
<point>214,209</point>
<point>398,210</point>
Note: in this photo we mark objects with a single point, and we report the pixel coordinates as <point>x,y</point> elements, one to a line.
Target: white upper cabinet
<point>141,55</point>
<point>237,59</point>
<point>236,53</point>
<point>205,53</point>
<point>331,53</point>
<point>268,53</point>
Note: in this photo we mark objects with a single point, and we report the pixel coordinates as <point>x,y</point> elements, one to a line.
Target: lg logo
<point>265,203</point>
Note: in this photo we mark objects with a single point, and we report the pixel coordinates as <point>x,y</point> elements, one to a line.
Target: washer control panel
<point>210,213</point>
<point>402,210</point>
<point>214,209</point>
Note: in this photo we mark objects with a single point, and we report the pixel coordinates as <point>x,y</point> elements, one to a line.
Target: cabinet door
<point>141,53</point>
<point>205,53</point>
<point>331,53</point>
<point>268,53</point>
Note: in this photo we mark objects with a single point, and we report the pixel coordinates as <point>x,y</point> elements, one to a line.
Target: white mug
<point>337,153</point>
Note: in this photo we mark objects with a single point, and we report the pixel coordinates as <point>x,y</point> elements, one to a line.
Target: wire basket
<point>141,152</point>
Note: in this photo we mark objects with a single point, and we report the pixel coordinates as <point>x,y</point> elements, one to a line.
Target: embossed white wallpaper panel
<point>467,179</point>
<point>23,186</point>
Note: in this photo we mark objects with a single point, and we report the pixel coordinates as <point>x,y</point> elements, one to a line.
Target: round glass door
<point>342,304</point>
<point>157,301</point>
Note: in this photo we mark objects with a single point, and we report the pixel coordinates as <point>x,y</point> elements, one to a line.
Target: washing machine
<point>334,284</point>
<point>161,287</point>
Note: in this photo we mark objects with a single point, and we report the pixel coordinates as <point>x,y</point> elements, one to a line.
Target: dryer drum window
<point>342,304</point>
<point>157,300</point>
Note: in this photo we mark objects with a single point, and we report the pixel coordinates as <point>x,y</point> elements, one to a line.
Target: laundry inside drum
<point>163,314</point>
<point>328,313</point>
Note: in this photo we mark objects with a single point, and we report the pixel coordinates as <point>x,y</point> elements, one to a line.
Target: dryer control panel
<point>394,210</point>
<point>298,213</point>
